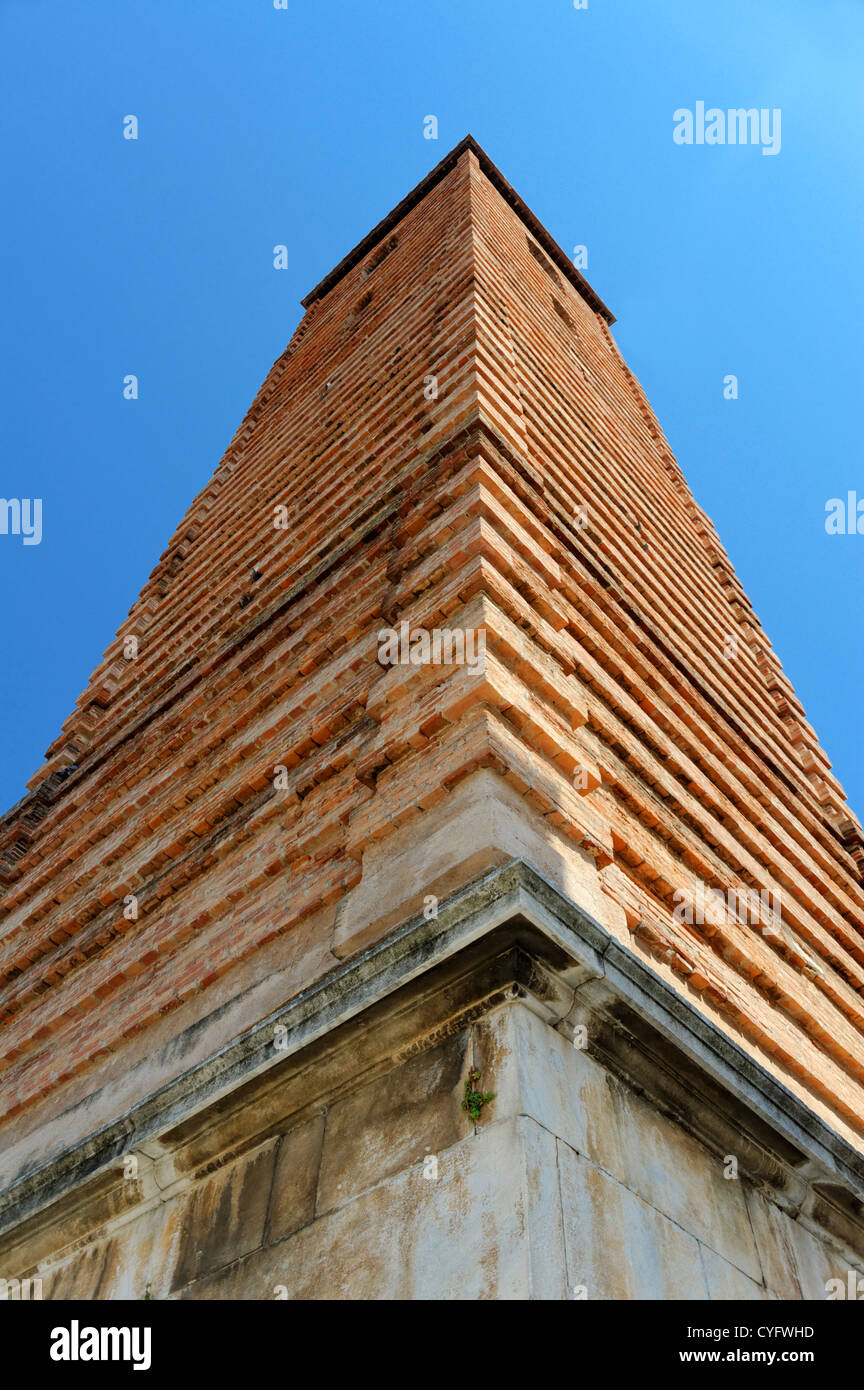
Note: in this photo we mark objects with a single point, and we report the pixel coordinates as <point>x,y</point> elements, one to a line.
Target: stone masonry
<point>273,899</point>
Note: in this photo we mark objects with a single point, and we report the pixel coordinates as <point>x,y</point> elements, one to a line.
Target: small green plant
<point>475,1100</point>
<point>147,1293</point>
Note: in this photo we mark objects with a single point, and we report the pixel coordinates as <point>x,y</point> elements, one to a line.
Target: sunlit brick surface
<point>535,497</point>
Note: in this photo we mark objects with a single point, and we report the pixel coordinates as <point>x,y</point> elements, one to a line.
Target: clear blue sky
<point>260,126</point>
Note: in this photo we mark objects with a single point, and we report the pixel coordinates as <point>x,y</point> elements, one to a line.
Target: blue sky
<point>304,126</point>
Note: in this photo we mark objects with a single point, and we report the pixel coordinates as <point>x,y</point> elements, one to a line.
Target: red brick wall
<point>607,650</point>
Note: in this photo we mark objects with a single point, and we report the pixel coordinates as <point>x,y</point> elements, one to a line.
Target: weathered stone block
<point>815,1261</point>
<point>775,1245</point>
<point>618,1246</point>
<point>296,1178</point>
<point>567,1091</point>
<point>725,1282</point>
<point>224,1216</point>
<point>396,1120</point>
<point>142,1254</point>
<point>79,1277</point>
<point>459,1236</point>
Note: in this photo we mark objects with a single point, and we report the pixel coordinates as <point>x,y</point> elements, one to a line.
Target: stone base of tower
<point>630,1150</point>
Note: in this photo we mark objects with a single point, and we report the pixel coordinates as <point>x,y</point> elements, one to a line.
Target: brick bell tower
<point>437,892</point>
